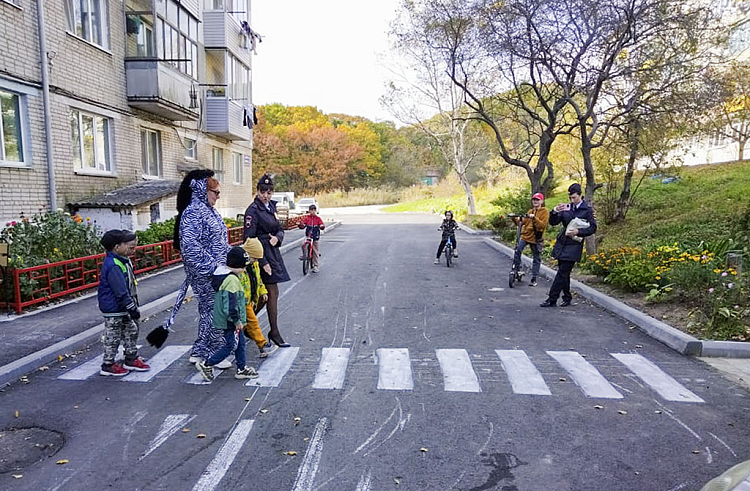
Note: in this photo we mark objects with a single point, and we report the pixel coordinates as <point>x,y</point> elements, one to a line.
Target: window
<point>87,19</point>
<point>151,153</point>
<point>90,135</point>
<point>11,129</point>
<point>191,149</point>
<point>140,35</point>
<point>177,37</point>
<point>218,163</point>
<point>236,8</point>
<point>237,165</point>
<point>155,212</point>
<point>238,79</point>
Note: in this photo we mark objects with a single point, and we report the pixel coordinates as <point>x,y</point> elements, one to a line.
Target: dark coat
<point>567,249</point>
<point>117,288</point>
<point>262,223</point>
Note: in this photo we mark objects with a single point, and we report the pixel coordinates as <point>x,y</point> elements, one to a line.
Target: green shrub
<point>691,279</point>
<point>633,275</point>
<point>514,200</point>
<point>156,232</point>
<point>723,312</point>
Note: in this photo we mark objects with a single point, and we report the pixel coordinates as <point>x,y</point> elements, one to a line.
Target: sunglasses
<point>215,191</point>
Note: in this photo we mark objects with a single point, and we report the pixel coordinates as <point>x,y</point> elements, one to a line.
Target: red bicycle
<point>307,250</point>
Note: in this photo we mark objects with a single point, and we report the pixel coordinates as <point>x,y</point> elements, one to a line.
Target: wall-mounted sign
<point>248,161</point>
<point>3,254</point>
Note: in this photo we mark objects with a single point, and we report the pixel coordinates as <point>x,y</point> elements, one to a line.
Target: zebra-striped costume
<point>204,245</point>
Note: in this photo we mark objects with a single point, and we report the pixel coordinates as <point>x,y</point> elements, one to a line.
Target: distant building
<point>139,91</point>
<point>430,177</point>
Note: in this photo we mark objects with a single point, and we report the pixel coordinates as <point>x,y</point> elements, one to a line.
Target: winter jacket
<point>229,299</point>
<point>533,226</point>
<point>117,293</point>
<point>567,249</point>
<point>309,222</point>
<point>261,222</point>
<point>252,284</point>
<point>448,227</point>
<point>204,243</point>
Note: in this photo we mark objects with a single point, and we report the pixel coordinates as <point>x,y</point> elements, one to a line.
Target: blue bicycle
<point>448,251</point>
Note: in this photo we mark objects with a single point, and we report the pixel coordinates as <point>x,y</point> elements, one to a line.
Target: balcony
<point>222,31</point>
<point>158,88</point>
<point>224,117</point>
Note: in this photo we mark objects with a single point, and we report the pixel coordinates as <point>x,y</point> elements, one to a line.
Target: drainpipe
<point>46,103</point>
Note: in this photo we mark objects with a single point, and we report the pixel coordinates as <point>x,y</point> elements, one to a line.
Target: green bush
<point>514,200</point>
<point>156,232</point>
<point>633,275</point>
<point>691,279</point>
<point>723,312</point>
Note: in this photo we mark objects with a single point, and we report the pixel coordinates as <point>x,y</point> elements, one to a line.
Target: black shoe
<point>278,342</point>
<point>567,303</point>
<point>533,282</point>
<point>548,303</point>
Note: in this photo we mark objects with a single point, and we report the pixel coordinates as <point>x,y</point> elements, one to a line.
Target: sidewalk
<point>36,338</point>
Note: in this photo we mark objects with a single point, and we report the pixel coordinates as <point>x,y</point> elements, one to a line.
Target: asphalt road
<point>452,382</point>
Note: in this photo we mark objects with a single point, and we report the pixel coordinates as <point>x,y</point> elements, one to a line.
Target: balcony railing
<point>226,117</point>
<point>156,87</point>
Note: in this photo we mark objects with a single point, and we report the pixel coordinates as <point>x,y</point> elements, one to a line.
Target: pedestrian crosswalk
<point>396,369</point>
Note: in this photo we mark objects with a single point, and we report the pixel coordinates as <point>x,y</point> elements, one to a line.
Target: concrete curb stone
<point>12,371</point>
<point>661,331</point>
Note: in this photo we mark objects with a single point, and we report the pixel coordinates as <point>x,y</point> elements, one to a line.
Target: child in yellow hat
<point>255,292</point>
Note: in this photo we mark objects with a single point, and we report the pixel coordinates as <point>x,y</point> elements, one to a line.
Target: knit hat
<point>253,247</point>
<point>237,257</point>
<point>113,237</point>
<point>574,188</point>
<point>538,196</point>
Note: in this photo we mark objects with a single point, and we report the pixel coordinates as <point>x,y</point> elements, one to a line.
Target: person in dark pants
<point>569,245</point>
<point>261,222</point>
<point>448,227</point>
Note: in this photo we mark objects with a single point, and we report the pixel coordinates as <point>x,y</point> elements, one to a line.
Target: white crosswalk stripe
<point>523,376</point>
<point>273,369</point>
<point>458,373</point>
<point>219,466</point>
<point>394,369</point>
<point>455,365</point>
<point>654,377</point>
<point>583,373</point>
<point>332,368</point>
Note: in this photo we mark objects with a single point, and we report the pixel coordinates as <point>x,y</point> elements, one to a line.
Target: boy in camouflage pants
<point>118,301</point>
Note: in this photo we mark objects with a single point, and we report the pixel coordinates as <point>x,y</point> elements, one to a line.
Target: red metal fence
<point>39,284</point>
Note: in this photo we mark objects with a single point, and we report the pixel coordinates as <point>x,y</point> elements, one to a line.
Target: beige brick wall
<point>92,79</point>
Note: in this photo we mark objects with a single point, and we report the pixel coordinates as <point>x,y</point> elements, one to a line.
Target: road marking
<point>169,427</point>
<point>273,369</point>
<point>364,482</point>
<point>666,386</point>
<point>224,457</point>
<point>588,378</point>
<point>332,368</point>
<point>91,367</point>
<point>158,363</point>
<point>458,373</point>
<point>394,369</point>
<point>311,460</point>
<point>523,376</point>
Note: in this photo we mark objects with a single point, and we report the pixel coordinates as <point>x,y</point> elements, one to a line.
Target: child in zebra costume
<point>201,237</point>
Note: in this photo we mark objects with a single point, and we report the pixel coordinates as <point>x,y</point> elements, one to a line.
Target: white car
<point>304,203</point>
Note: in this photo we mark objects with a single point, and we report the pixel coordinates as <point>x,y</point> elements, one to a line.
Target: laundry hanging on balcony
<point>249,117</point>
<point>254,37</point>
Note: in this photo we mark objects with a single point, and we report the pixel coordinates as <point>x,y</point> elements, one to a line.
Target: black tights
<point>272,309</point>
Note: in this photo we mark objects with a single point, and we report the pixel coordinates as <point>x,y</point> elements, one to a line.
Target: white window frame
<point>25,153</point>
<point>237,163</point>
<point>218,163</point>
<point>99,167</point>
<point>169,30</point>
<point>15,3</point>
<point>146,169</point>
<point>190,153</point>
<point>72,22</point>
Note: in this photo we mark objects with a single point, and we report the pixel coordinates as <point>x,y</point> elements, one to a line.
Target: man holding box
<point>578,221</point>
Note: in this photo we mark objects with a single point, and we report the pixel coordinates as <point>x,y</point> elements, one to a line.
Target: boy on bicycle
<point>313,224</point>
<point>448,227</point>
<point>532,232</point>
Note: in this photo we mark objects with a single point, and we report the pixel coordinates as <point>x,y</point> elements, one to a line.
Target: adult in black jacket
<point>261,222</point>
<point>567,249</point>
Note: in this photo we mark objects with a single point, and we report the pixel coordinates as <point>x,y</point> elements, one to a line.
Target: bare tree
<point>728,90</point>
<point>421,95</point>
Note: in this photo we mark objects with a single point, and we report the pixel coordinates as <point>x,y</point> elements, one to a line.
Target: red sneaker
<point>137,365</point>
<point>113,370</point>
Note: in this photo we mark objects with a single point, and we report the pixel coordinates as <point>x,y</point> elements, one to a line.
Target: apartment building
<point>140,92</point>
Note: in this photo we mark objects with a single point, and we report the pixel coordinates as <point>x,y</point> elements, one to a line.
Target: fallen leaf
<point>657,411</point>
<point>17,413</point>
<point>397,480</point>
<point>290,452</point>
<point>62,461</point>
<point>598,407</point>
<point>186,430</point>
<point>297,420</point>
<point>424,449</point>
<point>264,411</point>
<point>563,379</point>
<point>17,476</point>
<point>75,407</point>
<point>247,399</point>
<point>200,435</point>
<point>639,346</point>
<point>622,411</point>
<point>59,358</point>
<point>44,368</point>
<point>696,451</point>
<point>306,439</point>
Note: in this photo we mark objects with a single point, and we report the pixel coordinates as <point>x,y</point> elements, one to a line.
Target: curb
<point>471,231</point>
<point>12,371</point>
<point>661,331</point>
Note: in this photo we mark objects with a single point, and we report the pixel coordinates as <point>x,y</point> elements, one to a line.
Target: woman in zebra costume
<point>201,237</point>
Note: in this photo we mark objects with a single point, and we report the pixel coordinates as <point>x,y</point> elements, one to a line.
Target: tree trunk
<point>590,189</point>
<point>741,152</point>
<point>623,203</point>
<point>469,193</point>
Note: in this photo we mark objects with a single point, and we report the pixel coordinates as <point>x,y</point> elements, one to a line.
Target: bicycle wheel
<point>305,259</point>
<point>511,278</point>
<point>448,255</point>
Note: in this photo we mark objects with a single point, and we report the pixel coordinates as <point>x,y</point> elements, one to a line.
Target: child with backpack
<point>255,292</point>
<point>118,300</point>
